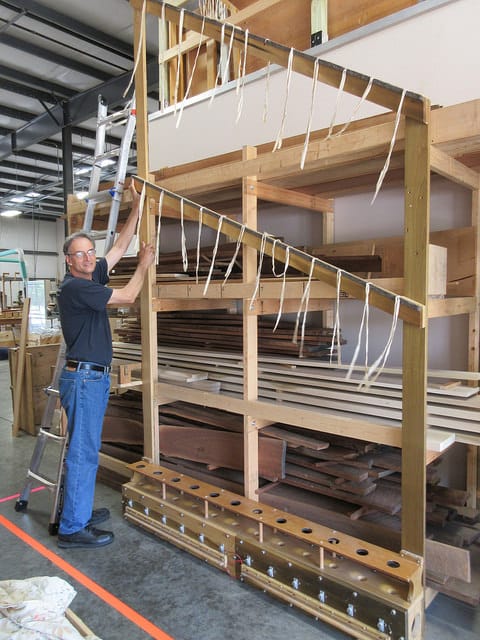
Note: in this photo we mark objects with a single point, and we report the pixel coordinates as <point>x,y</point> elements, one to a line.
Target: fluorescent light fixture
<point>10,213</point>
<point>81,170</point>
<point>33,194</point>
<point>18,199</point>
<point>81,195</point>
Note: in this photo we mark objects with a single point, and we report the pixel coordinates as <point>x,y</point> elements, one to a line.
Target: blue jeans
<point>84,397</point>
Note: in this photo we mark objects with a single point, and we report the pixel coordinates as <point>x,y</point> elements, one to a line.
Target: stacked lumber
<point>223,331</point>
<point>316,385</point>
<point>170,264</point>
<point>348,484</point>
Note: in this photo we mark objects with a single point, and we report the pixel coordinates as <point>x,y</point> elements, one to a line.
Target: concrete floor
<point>182,596</point>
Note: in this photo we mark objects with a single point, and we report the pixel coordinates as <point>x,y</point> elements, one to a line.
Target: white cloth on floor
<point>34,609</point>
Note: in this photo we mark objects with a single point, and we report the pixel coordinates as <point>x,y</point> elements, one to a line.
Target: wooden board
<point>222,449</point>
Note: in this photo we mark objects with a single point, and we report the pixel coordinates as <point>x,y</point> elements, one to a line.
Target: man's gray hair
<point>74,236</point>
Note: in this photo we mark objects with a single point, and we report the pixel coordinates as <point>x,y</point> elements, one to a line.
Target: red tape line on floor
<point>17,495</point>
<point>84,580</point>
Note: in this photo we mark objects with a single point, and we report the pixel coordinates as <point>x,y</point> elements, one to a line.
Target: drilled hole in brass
<point>281,520</point>
<point>214,494</point>
<point>140,466</point>
<point>393,564</point>
<point>333,541</point>
<point>257,511</point>
<point>176,479</point>
<point>158,473</point>
<point>362,552</point>
<point>306,530</point>
<point>235,503</point>
<point>194,486</point>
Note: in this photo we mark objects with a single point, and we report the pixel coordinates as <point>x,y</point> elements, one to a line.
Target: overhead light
<point>18,199</point>
<point>81,170</point>
<point>33,194</point>
<point>81,195</point>
<point>106,162</point>
<point>10,213</point>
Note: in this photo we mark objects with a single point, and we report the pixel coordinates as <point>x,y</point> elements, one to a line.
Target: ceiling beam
<point>33,81</point>
<point>52,56</point>
<point>80,108</point>
<point>70,25</point>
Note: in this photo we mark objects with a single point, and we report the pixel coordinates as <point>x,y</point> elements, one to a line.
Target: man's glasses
<point>83,254</point>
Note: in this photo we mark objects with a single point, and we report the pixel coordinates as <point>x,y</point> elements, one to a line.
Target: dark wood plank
<point>222,449</point>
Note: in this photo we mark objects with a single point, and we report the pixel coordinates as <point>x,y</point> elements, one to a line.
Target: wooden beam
<point>409,310</point>
<point>21,359</point>
<point>148,316</point>
<point>381,93</point>
<point>415,339</point>
<point>351,146</point>
<point>193,39</point>
<point>250,337</point>
<point>291,198</point>
<point>448,167</point>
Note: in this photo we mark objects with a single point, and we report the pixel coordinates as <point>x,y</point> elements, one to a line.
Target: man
<point>84,383</point>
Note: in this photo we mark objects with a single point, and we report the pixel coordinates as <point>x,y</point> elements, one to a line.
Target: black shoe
<point>85,538</point>
<point>98,516</point>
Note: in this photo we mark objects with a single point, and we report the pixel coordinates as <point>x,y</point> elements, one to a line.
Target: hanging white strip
<point>184,240</point>
<point>140,213</point>
<point>379,363</point>
<point>336,326</point>
<point>199,237</point>
<point>223,68</point>
<point>363,323</point>
<point>303,305</point>
<point>162,45</point>
<point>191,75</point>
<point>278,141</point>
<point>160,209</point>
<point>179,58</point>
<point>219,66</point>
<point>220,222</point>
<point>139,49</point>
<point>357,107</point>
<point>259,270</point>
<point>392,144</point>
<point>267,89</point>
<point>234,257</point>
<point>337,102</point>
<point>241,81</point>
<point>312,103</point>
<point>284,280</point>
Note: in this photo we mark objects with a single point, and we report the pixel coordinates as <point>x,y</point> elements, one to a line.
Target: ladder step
<point>49,434</point>
<point>111,153</point>
<point>100,196</point>
<point>51,484</point>
<point>114,118</point>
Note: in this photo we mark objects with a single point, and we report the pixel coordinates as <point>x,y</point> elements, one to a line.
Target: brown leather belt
<point>75,365</point>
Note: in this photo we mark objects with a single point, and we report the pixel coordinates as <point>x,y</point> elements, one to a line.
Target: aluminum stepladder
<point>53,426</point>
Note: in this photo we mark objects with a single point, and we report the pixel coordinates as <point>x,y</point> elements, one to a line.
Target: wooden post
<point>20,367</point>
<point>474,350</point>
<point>415,343</point>
<point>148,316</point>
<point>250,337</point>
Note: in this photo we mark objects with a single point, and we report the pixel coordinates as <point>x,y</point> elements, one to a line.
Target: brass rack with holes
<point>363,589</point>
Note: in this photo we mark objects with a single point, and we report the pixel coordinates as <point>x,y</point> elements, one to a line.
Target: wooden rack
<point>428,142</point>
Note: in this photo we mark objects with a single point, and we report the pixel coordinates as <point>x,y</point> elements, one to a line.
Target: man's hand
<point>146,255</point>
<point>134,193</point>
